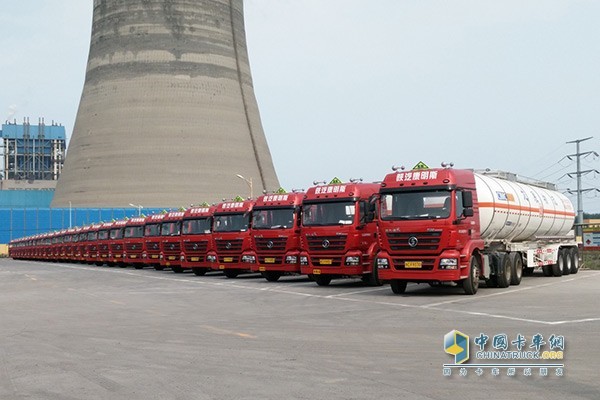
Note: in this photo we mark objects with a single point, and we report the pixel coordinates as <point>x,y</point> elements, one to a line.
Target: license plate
<point>269,260</point>
<point>228,259</point>
<point>325,261</point>
<point>117,256</point>
<point>171,257</point>
<point>262,269</point>
<point>104,255</point>
<point>132,256</point>
<point>316,272</point>
<point>221,267</point>
<point>195,259</point>
<point>154,256</point>
<point>413,264</point>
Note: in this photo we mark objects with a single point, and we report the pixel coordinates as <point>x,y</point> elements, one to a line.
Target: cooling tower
<point>168,114</point>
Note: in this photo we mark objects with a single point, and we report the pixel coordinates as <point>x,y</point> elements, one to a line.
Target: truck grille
<point>199,247</point>
<point>273,244</point>
<point>133,247</point>
<point>326,243</point>
<point>171,247</point>
<point>153,246</point>
<point>425,241</point>
<point>224,245</point>
<point>116,247</point>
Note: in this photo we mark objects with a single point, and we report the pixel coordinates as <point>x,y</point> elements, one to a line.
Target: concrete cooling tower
<point>168,115</point>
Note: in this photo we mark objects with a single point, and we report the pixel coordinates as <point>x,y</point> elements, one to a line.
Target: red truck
<point>117,244</point>
<point>104,243</point>
<point>151,254</point>
<point>231,235</point>
<point>458,226</point>
<point>275,233</point>
<point>196,237</point>
<point>91,252</point>
<point>339,232</point>
<point>133,240</point>
<point>170,241</point>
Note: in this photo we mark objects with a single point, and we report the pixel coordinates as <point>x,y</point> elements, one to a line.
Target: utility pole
<point>578,156</point>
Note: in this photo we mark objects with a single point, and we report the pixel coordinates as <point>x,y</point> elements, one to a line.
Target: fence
<point>19,222</point>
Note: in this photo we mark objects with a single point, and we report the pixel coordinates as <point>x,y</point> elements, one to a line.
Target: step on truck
<point>133,240</point>
<point>198,252</point>
<point>170,241</point>
<point>339,232</point>
<point>459,226</point>
<point>151,254</point>
<point>231,235</point>
<point>275,232</point>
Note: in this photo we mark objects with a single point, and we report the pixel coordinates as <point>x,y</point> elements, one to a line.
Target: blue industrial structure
<point>19,222</point>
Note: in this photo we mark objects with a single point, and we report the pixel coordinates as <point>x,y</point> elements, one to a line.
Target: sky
<point>350,88</point>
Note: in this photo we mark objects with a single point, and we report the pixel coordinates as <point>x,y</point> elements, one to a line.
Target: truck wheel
<point>503,274</point>
<point>557,269</point>
<point>138,266</point>
<point>271,276</point>
<point>231,273</point>
<point>159,267</point>
<point>177,270</point>
<point>200,271</point>
<point>322,280</point>
<point>574,253</point>
<point>372,279</point>
<point>398,286</point>
<point>471,284</point>
<point>547,270</point>
<point>516,264</point>
<point>567,261</point>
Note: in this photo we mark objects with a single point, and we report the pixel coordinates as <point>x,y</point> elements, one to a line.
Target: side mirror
<point>468,212</point>
<point>467,198</point>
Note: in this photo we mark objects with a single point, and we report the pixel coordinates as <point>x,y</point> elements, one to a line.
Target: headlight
<point>353,260</point>
<point>449,263</point>
<point>291,259</point>
<point>249,259</point>
<point>303,260</point>
<point>383,263</point>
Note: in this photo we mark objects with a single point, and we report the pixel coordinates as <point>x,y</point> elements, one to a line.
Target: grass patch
<point>591,259</point>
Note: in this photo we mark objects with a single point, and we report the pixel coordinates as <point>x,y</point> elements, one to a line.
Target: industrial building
<point>168,114</point>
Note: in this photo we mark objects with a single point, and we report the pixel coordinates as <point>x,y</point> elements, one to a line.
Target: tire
<point>557,269</point>
<point>323,280</point>
<point>159,267</point>
<point>231,273</point>
<point>516,266</point>
<point>574,253</point>
<point>138,266</point>
<point>504,271</point>
<point>471,284</point>
<point>398,286</point>
<point>567,261</point>
<point>372,279</point>
<point>200,271</point>
<point>271,276</point>
<point>177,269</point>
<point>527,271</point>
<point>547,270</point>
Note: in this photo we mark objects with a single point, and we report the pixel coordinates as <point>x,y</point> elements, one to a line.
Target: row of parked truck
<point>431,226</point>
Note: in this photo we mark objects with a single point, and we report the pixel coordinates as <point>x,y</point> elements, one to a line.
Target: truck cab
<point>275,235</point>
<point>133,240</point>
<point>231,234</point>
<point>339,232</point>
<point>428,227</point>
<point>91,251</point>
<point>151,254</point>
<point>104,244</point>
<point>196,237</point>
<point>116,243</point>
<point>170,241</point>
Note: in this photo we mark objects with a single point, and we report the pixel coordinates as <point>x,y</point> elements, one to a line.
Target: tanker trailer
<point>462,226</point>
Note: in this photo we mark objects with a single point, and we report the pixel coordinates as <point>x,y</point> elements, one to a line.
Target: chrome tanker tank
<point>516,211</point>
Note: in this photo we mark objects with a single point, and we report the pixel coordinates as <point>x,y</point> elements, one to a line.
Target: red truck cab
<point>91,252</point>
<point>198,252</point>
<point>133,240</point>
<point>104,243</point>
<point>427,226</point>
<point>275,246</point>
<point>116,243</point>
<point>339,232</point>
<point>231,234</point>
<point>170,241</point>
<point>151,254</point>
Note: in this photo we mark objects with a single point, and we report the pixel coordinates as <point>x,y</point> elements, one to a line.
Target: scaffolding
<point>32,152</point>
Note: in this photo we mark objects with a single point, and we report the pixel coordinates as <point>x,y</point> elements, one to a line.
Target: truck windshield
<point>231,222</point>
<point>196,226</point>
<point>134,231</point>
<point>329,213</point>
<point>116,233</point>
<point>152,230</point>
<point>434,204</point>
<point>92,236</point>
<point>170,229</point>
<point>272,218</point>
<point>102,235</point>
